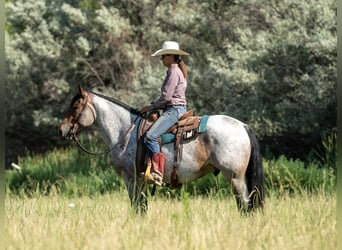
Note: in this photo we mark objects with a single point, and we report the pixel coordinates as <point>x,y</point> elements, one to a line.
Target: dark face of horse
<point>80,114</point>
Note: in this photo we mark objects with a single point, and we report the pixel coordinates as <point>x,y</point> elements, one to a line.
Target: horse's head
<point>81,114</point>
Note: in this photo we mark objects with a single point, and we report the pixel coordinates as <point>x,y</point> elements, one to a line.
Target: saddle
<point>188,126</point>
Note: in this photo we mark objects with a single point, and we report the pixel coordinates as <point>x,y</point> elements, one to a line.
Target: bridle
<point>73,133</point>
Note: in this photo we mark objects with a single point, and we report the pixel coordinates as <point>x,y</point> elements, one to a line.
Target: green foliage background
<point>271,64</point>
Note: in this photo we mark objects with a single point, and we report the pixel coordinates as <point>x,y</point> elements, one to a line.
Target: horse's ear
<point>82,91</point>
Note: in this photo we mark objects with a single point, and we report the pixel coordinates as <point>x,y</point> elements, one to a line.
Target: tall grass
<point>66,199</point>
<point>194,222</point>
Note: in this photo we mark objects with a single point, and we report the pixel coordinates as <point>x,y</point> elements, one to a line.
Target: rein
<point>129,108</point>
<point>120,143</point>
<point>75,138</point>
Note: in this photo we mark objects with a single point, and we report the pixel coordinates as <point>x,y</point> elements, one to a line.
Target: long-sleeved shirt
<point>173,89</point>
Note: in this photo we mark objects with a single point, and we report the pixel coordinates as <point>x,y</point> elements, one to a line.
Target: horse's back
<point>222,126</point>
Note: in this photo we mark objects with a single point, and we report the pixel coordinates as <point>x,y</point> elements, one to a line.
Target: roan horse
<point>227,146</point>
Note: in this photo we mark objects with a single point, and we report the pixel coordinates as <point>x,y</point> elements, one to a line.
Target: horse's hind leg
<point>240,190</point>
<point>241,194</point>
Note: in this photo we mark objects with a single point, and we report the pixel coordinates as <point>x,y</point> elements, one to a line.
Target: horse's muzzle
<point>63,134</point>
<point>65,131</point>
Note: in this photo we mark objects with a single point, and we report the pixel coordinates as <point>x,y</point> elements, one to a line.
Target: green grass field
<point>68,200</point>
<point>195,222</point>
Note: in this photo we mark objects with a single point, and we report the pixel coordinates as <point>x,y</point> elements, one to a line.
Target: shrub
<point>71,172</point>
<point>292,176</point>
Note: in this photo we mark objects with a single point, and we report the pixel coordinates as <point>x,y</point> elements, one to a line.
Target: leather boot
<point>158,162</point>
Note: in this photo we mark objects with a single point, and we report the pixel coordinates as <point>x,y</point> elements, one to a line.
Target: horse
<point>228,146</point>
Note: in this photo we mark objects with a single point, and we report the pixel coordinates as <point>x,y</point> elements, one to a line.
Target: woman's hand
<point>145,109</point>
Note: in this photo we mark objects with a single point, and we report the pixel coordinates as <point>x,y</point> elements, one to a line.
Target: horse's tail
<point>254,173</point>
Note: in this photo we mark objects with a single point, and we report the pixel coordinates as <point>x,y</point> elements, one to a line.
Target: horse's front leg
<point>137,193</point>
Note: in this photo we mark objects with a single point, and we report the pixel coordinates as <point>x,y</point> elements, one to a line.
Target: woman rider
<point>172,101</point>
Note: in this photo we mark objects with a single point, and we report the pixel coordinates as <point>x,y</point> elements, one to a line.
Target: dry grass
<point>107,222</point>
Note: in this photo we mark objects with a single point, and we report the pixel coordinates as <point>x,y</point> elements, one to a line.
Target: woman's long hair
<point>181,65</point>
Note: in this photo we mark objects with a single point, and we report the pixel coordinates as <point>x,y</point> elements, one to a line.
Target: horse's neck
<point>112,119</point>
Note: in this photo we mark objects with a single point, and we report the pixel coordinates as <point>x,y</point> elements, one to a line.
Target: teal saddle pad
<point>170,137</point>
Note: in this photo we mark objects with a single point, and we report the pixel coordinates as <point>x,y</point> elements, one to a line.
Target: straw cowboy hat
<point>170,47</point>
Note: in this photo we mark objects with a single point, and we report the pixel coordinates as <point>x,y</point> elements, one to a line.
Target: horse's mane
<point>124,105</point>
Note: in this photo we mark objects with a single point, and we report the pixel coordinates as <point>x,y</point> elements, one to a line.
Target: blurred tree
<point>270,64</point>
<point>52,46</point>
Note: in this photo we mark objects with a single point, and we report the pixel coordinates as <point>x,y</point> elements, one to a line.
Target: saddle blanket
<point>171,137</point>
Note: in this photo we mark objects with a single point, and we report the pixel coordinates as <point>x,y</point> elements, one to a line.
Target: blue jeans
<point>169,117</point>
